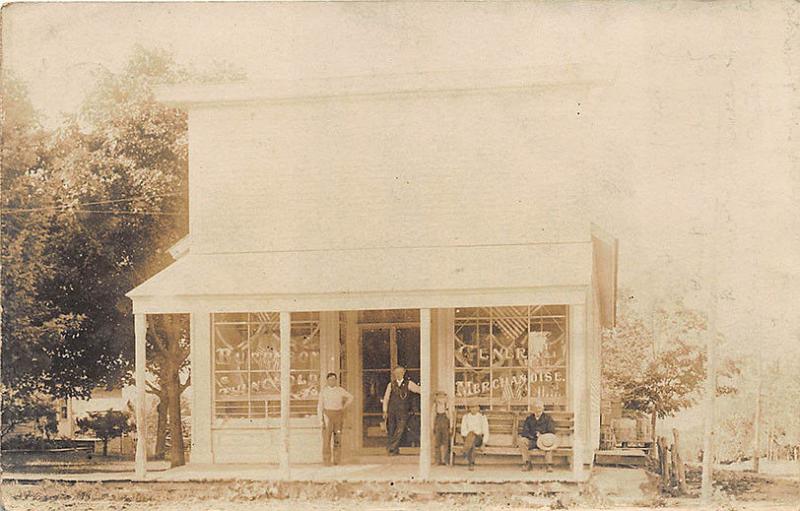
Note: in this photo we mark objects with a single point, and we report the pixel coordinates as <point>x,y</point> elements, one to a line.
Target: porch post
<point>140,339</point>
<point>353,420</point>
<point>578,381</point>
<point>286,337</point>
<point>202,388</point>
<point>425,398</point>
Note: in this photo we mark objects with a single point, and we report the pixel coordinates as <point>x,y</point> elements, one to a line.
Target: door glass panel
<point>374,384</point>
<point>408,348</point>
<point>376,368</point>
<point>375,348</point>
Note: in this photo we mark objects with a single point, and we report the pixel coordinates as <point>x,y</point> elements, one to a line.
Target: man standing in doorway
<point>397,407</point>
<point>333,399</point>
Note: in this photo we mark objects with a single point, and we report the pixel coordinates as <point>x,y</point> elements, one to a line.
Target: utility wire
<point>118,212</point>
<point>113,212</point>
<point>94,203</point>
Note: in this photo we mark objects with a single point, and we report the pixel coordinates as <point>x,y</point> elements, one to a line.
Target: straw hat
<point>547,441</point>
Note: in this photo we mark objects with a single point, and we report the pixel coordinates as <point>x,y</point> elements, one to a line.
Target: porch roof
<point>364,278</point>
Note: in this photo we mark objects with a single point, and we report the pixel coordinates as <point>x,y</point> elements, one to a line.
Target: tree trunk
<point>105,447</point>
<point>653,417</point>
<point>173,391</point>
<point>161,429</point>
<point>653,437</point>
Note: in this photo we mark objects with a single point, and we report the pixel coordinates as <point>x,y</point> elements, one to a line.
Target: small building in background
<point>101,400</point>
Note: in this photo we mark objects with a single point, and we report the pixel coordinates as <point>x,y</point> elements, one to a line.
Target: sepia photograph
<point>390,256</point>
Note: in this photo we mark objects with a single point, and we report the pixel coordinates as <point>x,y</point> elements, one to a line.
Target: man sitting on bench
<point>475,430</point>
<point>537,423</point>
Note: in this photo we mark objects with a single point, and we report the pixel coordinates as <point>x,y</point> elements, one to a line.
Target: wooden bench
<point>504,429</point>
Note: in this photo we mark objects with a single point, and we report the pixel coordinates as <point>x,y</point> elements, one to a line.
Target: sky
<point>701,108</point>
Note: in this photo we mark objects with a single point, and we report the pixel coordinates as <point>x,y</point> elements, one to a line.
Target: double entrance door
<point>384,347</point>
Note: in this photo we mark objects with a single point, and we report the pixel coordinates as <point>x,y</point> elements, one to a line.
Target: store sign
<point>540,350</point>
<point>303,385</point>
<point>510,386</point>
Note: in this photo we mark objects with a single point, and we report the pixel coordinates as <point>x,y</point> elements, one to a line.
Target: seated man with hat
<point>538,432</point>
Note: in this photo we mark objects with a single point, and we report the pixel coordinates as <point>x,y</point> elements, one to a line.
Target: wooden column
<point>445,363</point>
<point>140,336</point>
<point>353,360</point>
<point>202,414</point>
<point>329,344</point>
<point>286,337</point>
<point>329,358</point>
<point>425,398</point>
<point>578,382</point>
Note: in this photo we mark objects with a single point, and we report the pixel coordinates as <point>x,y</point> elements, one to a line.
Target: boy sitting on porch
<point>442,422</point>
<point>536,425</point>
<point>475,430</point>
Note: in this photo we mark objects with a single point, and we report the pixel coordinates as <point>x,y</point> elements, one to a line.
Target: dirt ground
<point>71,463</point>
<point>609,488</point>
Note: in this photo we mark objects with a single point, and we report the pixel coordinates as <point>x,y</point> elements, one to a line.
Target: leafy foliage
<point>669,382</point>
<point>88,213</point>
<point>33,327</point>
<point>20,408</point>
<point>89,210</point>
<point>657,365</point>
<point>106,425</point>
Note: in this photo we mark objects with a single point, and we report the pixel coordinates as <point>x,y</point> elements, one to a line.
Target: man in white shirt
<point>475,430</point>
<point>397,408</point>
<point>333,399</point>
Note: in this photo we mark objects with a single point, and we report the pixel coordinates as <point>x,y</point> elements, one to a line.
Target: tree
<point>670,382</point>
<point>32,326</point>
<point>133,154</point>
<point>658,373</point>
<point>24,408</point>
<point>168,342</point>
<point>106,425</point>
<point>119,176</point>
<point>118,182</point>
<point>88,216</point>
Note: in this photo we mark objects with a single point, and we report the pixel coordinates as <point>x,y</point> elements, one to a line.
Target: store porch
<point>370,469</point>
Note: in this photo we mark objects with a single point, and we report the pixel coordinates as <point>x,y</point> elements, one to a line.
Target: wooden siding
<point>401,171</point>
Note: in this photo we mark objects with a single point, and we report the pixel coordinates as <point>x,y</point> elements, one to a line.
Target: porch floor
<point>379,469</point>
<point>361,469</point>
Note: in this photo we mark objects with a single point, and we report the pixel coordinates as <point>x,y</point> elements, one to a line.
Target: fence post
<point>678,468</point>
<point>663,462</point>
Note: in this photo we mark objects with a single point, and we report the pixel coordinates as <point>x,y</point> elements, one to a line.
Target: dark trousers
<point>441,438</point>
<point>332,436</point>
<point>396,421</point>
<point>472,442</point>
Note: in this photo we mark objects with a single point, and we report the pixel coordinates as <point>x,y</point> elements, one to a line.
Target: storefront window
<point>304,373</point>
<point>506,356</point>
<point>247,365</point>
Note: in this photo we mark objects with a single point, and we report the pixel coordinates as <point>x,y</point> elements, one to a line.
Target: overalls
<point>397,415</point>
<point>441,435</point>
